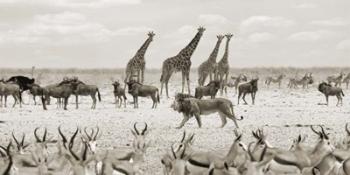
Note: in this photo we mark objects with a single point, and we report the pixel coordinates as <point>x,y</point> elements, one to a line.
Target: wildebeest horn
<point>144,130</point>
<point>135,128</point>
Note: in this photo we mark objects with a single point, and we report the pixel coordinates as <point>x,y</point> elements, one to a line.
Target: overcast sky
<point>107,33</point>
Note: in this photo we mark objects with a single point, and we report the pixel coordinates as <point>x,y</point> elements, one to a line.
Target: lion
<point>196,107</point>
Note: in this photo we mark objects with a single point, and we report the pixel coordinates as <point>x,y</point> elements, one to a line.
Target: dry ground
<point>274,109</point>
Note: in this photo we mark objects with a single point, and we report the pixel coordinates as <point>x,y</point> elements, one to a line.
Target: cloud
<point>75,3</point>
<point>311,35</point>
<point>63,29</point>
<point>262,22</point>
<point>212,19</point>
<point>306,6</point>
<point>260,37</point>
<point>343,45</point>
<point>331,22</point>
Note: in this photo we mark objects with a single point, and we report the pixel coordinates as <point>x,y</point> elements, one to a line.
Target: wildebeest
<point>210,89</point>
<point>35,90</point>
<point>250,87</point>
<point>337,80</point>
<point>328,90</point>
<point>278,80</point>
<point>119,94</point>
<point>60,91</point>
<point>22,81</point>
<point>83,89</point>
<point>347,80</point>
<point>13,89</point>
<point>139,90</point>
<point>305,81</point>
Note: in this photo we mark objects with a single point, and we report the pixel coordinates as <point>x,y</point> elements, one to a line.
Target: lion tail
<point>233,113</point>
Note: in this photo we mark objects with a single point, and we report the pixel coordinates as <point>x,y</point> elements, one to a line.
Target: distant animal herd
<point>218,73</point>
<point>257,158</point>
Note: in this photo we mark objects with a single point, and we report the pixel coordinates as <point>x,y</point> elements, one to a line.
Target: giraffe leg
<point>166,84</point>
<point>226,76</point>
<point>183,82</point>
<point>188,82</point>
<point>142,74</point>
<point>138,76</point>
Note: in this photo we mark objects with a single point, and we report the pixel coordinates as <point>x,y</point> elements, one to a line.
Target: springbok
<point>250,87</point>
<point>337,80</point>
<point>277,80</point>
<point>7,167</point>
<point>13,89</point>
<point>328,90</point>
<point>119,94</point>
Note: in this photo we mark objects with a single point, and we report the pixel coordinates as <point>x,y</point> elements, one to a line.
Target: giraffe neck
<point>215,52</point>
<point>189,49</point>
<point>225,56</point>
<point>141,52</point>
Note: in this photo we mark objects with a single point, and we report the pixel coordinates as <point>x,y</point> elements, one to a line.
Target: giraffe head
<point>151,35</point>
<point>201,29</point>
<point>229,36</point>
<point>220,37</point>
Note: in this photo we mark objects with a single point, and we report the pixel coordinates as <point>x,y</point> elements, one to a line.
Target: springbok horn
<point>84,152</point>
<point>36,136</point>
<point>22,141</point>
<point>172,150</point>
<point>144,130</point>
<point>183,152</point>
<point>14,138</point>
<point>86,133</point>
<point>183,137</point>
<point>263,153</point>
<point>137,132</point>
<point>324,133</point>
<point>97,131</point>
<point>64,139</point>
<point>71,142</point>
<point>313,129</point>
<point>72,152</point>
<point>45,134</point>
<point>347,129</point>
<point>249,152</point>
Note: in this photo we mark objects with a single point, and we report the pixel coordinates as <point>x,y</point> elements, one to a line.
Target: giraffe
<point>208,66</point>
<point>180,62</point>
<point>137,63</point>
<point>223,65</point>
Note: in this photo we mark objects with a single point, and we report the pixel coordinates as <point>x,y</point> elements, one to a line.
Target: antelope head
<point>90,138</point>
<point>255,166</point>
<point>297,143</point>
<point>324,145</point>
<point>41,143</point>
<point>178,165</point>
<point>9,168</point>
<point>79,163</point>
<point>21,146</point>
<point>237,151</point>
<point>139,143</point>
